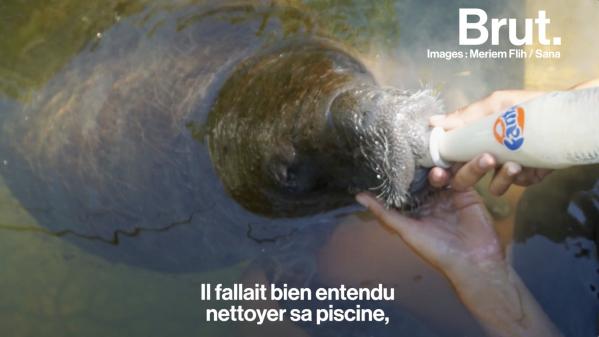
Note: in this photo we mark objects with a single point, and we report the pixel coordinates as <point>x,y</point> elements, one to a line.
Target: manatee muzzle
<point>390,129</point>
<point>302,128</point>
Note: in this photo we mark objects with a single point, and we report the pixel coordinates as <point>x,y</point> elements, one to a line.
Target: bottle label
<point>509,128</point>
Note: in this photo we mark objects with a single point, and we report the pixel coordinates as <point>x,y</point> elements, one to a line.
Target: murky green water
<point>54,283</point>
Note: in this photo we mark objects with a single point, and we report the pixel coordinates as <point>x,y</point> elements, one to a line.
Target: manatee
<point>315,129</point>
<point>188,136</point>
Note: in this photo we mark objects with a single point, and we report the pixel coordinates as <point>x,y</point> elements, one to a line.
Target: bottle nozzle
<point>436,137</point>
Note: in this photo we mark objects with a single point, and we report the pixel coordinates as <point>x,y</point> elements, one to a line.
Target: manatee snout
<point>388,130</point>
<point>303,128</point>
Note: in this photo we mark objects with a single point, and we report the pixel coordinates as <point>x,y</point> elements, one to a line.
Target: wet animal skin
<point>301,128</point>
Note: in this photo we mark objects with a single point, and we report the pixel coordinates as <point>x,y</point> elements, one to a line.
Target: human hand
<point>454,232</point>
<point>462,175</point>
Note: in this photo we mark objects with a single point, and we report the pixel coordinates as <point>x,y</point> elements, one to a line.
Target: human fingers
<point>464,199</point>
<point>542,173</point>
<point>496,102</point>
<point>588,84</point>
<point>504,178</point>
<point>392,218</point>
<point>471,172</point>
<point>438,177</point>
<point>531,176</point>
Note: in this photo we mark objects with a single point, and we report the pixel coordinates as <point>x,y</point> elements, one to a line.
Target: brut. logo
<point>480,18</point>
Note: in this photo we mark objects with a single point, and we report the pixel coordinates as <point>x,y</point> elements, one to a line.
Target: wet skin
<point>157,125</point>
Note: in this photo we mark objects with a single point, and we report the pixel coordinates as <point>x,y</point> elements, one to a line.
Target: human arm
<point>455,234</point>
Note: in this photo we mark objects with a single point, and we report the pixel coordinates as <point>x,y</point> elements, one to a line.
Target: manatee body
<point>136,147</point>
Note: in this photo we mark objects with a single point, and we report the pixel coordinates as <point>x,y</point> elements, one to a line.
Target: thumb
<point>392,218</point>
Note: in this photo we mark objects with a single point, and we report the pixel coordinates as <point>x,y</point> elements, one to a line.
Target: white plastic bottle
<point>556,130</point>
